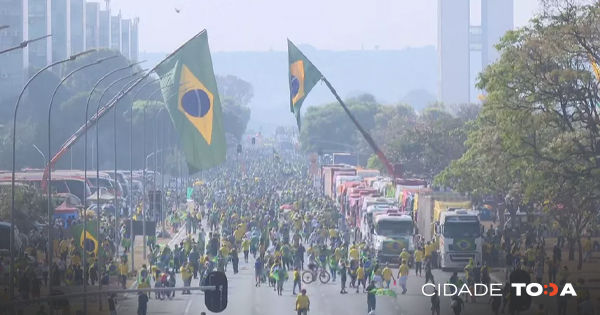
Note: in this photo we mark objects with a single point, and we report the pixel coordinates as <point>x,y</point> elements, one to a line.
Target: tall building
<point>497,18</point>
<point>115,32</point>
<point>135,40</point>
<point>15,13</point>
<point>457,38</point>
<point>61,29</point>
<point>453,51</point>
<point>105,28</point>
<point>78,26</point>
<point>40,24</point>
<point>92,25</point>
<point>126,38</point>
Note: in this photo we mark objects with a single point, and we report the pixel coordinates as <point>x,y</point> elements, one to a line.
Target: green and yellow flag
<point>190,89</point>
<point>91,243</point>
<point>302,78</point>
<point>384,292</point>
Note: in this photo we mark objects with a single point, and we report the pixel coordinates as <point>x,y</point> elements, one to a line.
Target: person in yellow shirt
<point>238,234</point>
<point>224,250</point>
<point>387,275</point>
<point>405,255</point>
<point>246,248</point>
<point>186,276</point>
<point>297,281</point>
<point>419,261</point>
<point>428,250</point>
<point>332,233</point>
<point>353,253</point>
<point>403,275</point>
<point>76,260</point>
<point>63,248</point>
<point>338,254</point>
<point>123,271</point>
<point>360,275</point>
<point>302,303</point>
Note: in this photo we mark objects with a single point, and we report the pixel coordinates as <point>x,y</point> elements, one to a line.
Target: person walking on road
<point>403,276</point>
<point>435,303</point>
<point>142,303</point>
<point>371,299</point>
<point>457,304</point>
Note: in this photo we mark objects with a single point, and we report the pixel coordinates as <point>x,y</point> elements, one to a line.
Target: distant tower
<point>107,4</point>
<point>497,18</point>
<point>457,38</point>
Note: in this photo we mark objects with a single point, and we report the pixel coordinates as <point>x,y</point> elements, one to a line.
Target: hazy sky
<point>261,25</point>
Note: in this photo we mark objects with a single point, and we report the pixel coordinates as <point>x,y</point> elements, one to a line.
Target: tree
<point>235,88</point>
<point>30,206</point>
<point>329,127</point>
<point>235,118</point>
<point>542,119</point>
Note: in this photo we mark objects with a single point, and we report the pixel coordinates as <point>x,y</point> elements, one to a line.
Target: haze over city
<point>262,25</point>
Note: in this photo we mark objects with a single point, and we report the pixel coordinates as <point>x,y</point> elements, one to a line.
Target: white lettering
<point>451,293</point>
<point>465,289</point>
<point>423,289</point>
<point>518,287</point>
<point>568,289</point>
<point>478,291</point>
<point>538,289</point>
<point>492,289</point>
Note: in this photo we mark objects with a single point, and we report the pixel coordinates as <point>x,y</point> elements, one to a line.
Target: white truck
<point>366,219</point>
<point>392,232</point>
<point>459,234</point>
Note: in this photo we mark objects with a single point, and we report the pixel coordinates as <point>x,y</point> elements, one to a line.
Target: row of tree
<point>424,142</point>
<point>534,145</point>
<point>68,115</point>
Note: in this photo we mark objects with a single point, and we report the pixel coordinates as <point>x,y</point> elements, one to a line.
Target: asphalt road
<point>245,298</point>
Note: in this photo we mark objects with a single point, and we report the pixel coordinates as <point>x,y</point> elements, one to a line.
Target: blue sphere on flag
<point>295,86</point>
<point>196,103</point>
<point>89,245</point>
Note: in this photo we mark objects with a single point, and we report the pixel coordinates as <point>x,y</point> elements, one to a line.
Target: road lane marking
<point>188,306</point>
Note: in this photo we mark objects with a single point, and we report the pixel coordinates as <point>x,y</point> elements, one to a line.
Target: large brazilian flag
<point>86,239</point>
<point>190,90</point>
<point>303,76</point>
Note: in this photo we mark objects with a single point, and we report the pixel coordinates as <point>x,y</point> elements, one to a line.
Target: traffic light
<point>216,300</point>
<point>239,148</point>
<point>253,140</point>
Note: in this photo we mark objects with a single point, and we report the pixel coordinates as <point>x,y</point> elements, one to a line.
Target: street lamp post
<point>162,181</point>
<point>14,162</point>
<point>131,236</point>
<point>41,153</point>
<point>117,214</point>
<point>100,262</point>
<point>156,146</point>
<point>23,44</point>
<point>144,236</point>
<point>144,166</point>
<point>50,212</point>
<point>85,167</point>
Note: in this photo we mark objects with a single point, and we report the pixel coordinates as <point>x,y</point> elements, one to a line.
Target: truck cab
<point>459,234</point>
<point>392,232</point>
<point>365,226</point>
